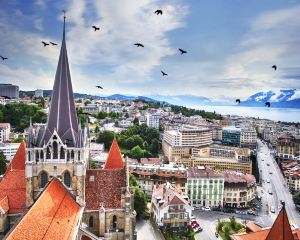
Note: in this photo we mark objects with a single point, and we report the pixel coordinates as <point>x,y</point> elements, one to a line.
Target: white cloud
<point>38,24</point>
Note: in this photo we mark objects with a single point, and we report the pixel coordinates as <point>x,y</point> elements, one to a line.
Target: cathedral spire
<point>62,114</point>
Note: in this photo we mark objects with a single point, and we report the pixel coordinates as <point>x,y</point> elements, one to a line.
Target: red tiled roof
<point>55,215</point>
<point>4,206</point>
<point>13,184</point>
<point>114,159</point>
<point>104,186</point>
<point>176,200</point>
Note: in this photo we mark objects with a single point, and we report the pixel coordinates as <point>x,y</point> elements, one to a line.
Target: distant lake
<point>276,114</point>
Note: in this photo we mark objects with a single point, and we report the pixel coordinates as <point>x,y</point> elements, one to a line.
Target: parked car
<point>270,192</point>
<point>207,209</point>
<point>197,207</point>
<point>270,173</point>
<point>268,164</point>
<point>217,235</point>
<point>272,209</point>
<point>268,180</point>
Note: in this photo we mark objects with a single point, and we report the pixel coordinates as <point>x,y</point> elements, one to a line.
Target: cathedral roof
<point>13,183</point>
<point>104,186</point>
<point>62,114</point>
<point>55,215</point>
<point>4,205</point>
<point>114,159</point>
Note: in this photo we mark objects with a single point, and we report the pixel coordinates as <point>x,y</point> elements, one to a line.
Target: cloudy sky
<point>231,45</point>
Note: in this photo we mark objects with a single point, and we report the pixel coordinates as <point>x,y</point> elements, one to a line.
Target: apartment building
<point>9,149</point>
<point>149,175</point>
<point>288,147</point>
<point>152,120</point>
<point>239,189</point>
<point>179,143</point>
<point>293,180</point>
<point>169,207</point>
<point>205,187</point>
<point>4,132</point>
<point>248,137</point>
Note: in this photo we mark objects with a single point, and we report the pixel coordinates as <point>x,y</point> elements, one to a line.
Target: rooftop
<point>203,172</point>
<point>114,159</point>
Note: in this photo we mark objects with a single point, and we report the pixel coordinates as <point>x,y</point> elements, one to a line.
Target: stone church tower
<point>60,147</point>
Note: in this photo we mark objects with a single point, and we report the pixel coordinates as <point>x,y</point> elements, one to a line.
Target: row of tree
<point>136,142</point>
<point>188,112</point>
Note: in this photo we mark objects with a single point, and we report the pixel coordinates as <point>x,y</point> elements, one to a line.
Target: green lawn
<point>229,227</point>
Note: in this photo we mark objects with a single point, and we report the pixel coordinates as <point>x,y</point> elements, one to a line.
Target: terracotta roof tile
<point>104,186</point>
<point>4,205</point>
<point>55,215</point>
<point>13,184</point>
<point>114,159</point>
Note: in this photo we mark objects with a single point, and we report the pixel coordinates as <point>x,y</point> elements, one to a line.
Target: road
<point>145,231</point>
<point>277,185</point>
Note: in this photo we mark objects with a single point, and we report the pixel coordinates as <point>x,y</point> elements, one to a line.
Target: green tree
<point>18,140</point>
<point>2,163</point>
<point>154,147</point>
<point>140,202</point>
<point>296,198</point>
<point>94,165</point>
<point>102,115</point>
<point>106,137</point>
<point>136,121</point>
<point>133,141</point>
<point>136,152</point>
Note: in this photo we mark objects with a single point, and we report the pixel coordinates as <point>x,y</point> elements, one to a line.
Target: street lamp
<point>117,231</point>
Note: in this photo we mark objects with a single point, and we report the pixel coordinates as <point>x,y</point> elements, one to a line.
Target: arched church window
<point>78,155</point>
<point>67,179</point>
<point>42,155</point>
<point>44,179</point>
<point>68,156</point>
<point>115,221</point>
<point>37,156</point>
<point>72,154</point>
<point>91,221</point>
<point>48,154</point>
<point>55,150</point>
<point>62,153</point>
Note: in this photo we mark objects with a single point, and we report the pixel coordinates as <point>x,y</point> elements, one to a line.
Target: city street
<point>145,231</point>
<point>276,185</point>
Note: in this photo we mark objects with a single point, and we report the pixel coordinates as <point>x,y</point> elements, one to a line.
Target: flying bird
<point>95,28</point>
<point>99,87</point>
<point>182,51</point>
<point>274,67</point>
<point>4,58</point>
<point>139,45</point>
<point>238,101</point>
<point>163,73</point>
<point>45,44</point>
<point>54,44</point>
<point>268,104</point>
<point>158,11</point>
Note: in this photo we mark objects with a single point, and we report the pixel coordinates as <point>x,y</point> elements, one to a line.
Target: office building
<point>9,91</point>
<point>205,187</point>
<point>231,136</point>
<point>248,137</point>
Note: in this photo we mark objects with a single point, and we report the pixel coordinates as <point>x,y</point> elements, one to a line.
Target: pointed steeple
<point>281,229</point>
<point>114,159</point>
<point>62,115</point>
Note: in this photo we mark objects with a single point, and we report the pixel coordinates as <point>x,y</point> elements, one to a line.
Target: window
<point>91,222</point>
<point>44,179</point>
<point>55,150</point>
<point>62,153</point>
<point>92,178</point>
<point>115,221</point>
<point>67,179</point>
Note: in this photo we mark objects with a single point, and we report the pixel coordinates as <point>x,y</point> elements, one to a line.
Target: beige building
<point>220,158</point>
<point>178,143</point>
<point>288,147</point>
<point>239,189</point>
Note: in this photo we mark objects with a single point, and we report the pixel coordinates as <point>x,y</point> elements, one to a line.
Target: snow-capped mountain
<point>278,98</point>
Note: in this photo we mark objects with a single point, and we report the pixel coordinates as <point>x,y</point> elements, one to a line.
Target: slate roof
<point>13,183</point>
<point>55,215</point>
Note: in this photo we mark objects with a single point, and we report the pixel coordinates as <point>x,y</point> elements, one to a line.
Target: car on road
<point>268,180</point>
<point>262,159</point>
<point>268,164</point>
<point>217,235</point>
<point>270,192</point>
<point>197,208</point>
<point>270,173</point>
<point>272,209</point>
<point>207,209</point>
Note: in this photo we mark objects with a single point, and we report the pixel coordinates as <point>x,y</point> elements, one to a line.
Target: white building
<point>205,187</point>
<point>9,149</point>
<point>153,120</point>
<point>4,132</point>
<point>169,207</point>
<point>39,93</point>
<point>248,136</point>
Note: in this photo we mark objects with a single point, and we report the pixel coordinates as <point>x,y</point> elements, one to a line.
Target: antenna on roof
<point>64,11</point>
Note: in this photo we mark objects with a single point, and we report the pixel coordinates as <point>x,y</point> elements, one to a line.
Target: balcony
<point>173,220</point>
<point>177,210</point>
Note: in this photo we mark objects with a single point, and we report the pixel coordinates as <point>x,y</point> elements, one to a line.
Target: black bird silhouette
<point>139,45</point>
<point>182,51</point>
<point>164,74</point>
<point>238,101</point>
<point>274,67</point>
<point>4,58</point>
<point>99,87</point>
<point>54,44</point>
<point>268,104</point>
<point>158,11</point>
<point>45,44</point>
<point>95,28</point>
